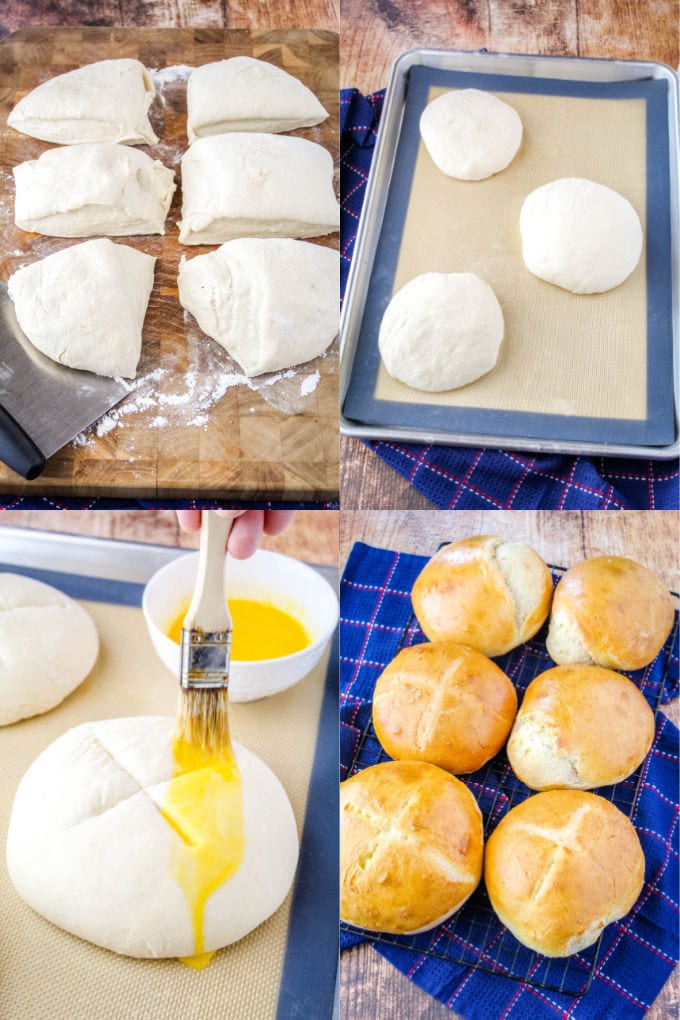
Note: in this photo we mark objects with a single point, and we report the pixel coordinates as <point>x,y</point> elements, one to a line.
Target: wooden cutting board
<point>189,429</point>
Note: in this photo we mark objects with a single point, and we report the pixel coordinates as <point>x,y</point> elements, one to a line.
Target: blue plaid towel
<point>638,952</point>
<point>461,478</point>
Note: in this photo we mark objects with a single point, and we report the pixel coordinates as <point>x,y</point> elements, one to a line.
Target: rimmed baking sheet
<point>574,369</point>
<point>289,963</point>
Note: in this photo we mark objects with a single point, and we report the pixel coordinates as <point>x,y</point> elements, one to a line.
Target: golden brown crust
<point>462,595</point>
<point>560,866</point>
<point>410,846</point>
<point>445,704</point>
<point>621,610</point>
<point>580,727</point>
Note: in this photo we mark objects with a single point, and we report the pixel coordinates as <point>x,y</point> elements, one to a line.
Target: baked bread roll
<point>580,727</point>
<point>410,847</point>
<point>483,592</point>
<point>443,703</point>
<point>560,867</point>
<point>611,611</point>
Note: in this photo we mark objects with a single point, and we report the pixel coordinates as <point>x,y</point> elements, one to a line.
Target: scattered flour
<point>309,384</point>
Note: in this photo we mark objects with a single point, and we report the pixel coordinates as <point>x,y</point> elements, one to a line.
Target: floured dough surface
<point>245,94</point>
<point>271,303</point>
<point>580,235</point>
<point>256,185</point>
<point>48,645</point>
<point>99,188</point>
<point>103,102</point>
<point>441,331</point>
<point>88,847</point>
<point>84,306</point>
<point>470,134</point>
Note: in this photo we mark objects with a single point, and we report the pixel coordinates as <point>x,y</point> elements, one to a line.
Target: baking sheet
<point>47,973</point>
<point>573,368</point>
<point>191,421</point>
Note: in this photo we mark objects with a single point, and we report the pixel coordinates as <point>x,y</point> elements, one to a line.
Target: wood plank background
<point>244,448</point>
<point>375,32</point>
<point>371,989</point>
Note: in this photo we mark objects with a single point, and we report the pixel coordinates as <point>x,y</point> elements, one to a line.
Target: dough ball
<point>89,849</point>
<point>48,645</point>
<point>103,102</point>
<point>82,190</point>
<point>256,185</point>
<point>441,331</point>
<point>84,306</point>
<point>244,94</point>
<point>470,134</point>
<point>580,235</point>
<point>270,302</point>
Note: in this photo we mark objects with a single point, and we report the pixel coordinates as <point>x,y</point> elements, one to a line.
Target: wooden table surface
<point>375,32</point>
<point>312,536</point>
<point>371,989</point>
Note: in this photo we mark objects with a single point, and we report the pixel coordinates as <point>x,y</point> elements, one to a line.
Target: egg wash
<point>204,805</point>
<point>260,630</point>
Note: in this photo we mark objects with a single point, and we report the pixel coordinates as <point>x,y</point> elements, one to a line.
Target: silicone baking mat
<point>572,367</point>
<point>287,963</point>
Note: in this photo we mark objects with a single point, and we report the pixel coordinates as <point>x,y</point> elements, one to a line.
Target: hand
<point>246,531</point>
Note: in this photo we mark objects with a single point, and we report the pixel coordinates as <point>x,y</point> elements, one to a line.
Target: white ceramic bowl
<point>283,581</point>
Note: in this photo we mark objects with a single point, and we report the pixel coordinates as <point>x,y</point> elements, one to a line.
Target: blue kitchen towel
<point>463,478</point>
<point>638,952</point>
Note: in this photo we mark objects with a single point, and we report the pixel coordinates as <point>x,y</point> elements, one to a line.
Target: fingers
<point>245,534</point>
<point>276,521</point>
<point>189,520</point>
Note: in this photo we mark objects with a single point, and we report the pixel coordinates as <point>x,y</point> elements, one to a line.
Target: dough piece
<point>244,94</point>
<point>470,134</point>
<point>255,185</point>
<point>84,306</point>
<point>580,235</point>
<point>271,303</point>
<point>81,190</point>
<point>103,102</point>
<point>89,849</point>
<point>441,331</point>
<point>48,645</point>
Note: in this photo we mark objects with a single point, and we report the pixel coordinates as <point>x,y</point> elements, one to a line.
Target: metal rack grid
<point>474,936</point>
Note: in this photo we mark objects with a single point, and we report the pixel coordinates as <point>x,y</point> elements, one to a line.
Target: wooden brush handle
<point>208,610</point>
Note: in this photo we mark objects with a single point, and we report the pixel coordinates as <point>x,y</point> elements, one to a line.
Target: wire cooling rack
<point>474,936</point>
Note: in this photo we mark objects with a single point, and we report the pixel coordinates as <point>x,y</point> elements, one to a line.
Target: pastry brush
<point>203,710</point>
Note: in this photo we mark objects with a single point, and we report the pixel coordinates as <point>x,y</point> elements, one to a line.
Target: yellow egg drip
<point>204,805</point>
<point>261,630</point>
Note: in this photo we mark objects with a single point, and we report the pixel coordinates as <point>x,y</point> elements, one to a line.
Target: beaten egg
<point>260,630</point>
<point>204,805</point>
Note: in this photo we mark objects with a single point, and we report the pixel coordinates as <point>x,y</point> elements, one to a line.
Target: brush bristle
<point>203,719</point>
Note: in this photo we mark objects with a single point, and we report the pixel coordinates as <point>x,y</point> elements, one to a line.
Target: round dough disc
<point>441,331</point>
<point>48,645</point>
<point>89,849</point>
<point>580,235</point>
<point>470,134</point>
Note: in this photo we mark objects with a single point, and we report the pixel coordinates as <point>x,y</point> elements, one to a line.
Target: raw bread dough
<point>88,848</point>
<point>441,331</point>
<point>103,102</point>
<point>84,306</point>
<point>244,94</point>
<point>470,134</point>
<point>580,235</point>
<point>99,188</point>
<point>271,303</point>
<point>256,185</point>
<point>48,645</point>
